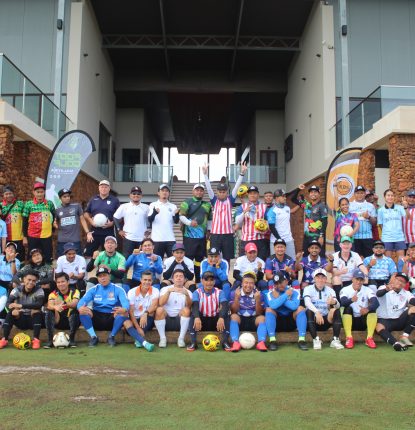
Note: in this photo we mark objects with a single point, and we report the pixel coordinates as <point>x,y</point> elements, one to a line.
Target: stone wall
<point>366,174</point>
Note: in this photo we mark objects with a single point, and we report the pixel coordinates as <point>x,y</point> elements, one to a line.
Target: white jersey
<point>162,227</point>
<point>135,220</point>
<point>393,304</point>
<point>142,303</point>
<point>282,223</point>
<point>363,297</point>
<point>244,265</point>
<point>169,261</point>
<point>176,301</point>
<point>352,263</point>
<point>318,298</point>
<point>76,267</point>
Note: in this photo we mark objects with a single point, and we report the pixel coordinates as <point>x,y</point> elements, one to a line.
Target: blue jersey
<point>273,265</point>
<point>391,220</point>
<point>283,304</point>
<point>220,273</point>
<point>5,269</point>
<point>142,262</point>
<point>309,266</point>
<point>365,226</point>
<point>383,268</point>
<point>105,298</point>
<point>247,303</point>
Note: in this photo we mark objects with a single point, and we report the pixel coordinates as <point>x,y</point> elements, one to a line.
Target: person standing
<point>344,217</point>
<point>409,205</point>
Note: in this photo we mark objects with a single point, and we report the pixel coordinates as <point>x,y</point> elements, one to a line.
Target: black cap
<point>411,193</point>
<point>102,271</point>
<point>378,242</point>
<point>280,242</point>
<point>359,188</point>
<point>8,188</point>
<point>136,190</point>
<point>314,242</point>
<point>208,275</point>
<point>213,251</point>
<point>278,278</point>
<point>253,188</point>
<point>177,246</point>
<point>64,191</point>
<point>34,250</point>
<point>69,246</point>
<point>279,193</point>
<point>314,188</point>
<point>222,187</point>
<point>402,275</point>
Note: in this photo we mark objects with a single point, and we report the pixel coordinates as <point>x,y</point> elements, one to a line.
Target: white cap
<point>319,271</point>
<point>199,186</point>
<point>105,182</point>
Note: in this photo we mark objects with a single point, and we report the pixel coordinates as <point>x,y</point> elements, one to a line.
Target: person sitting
<point>220,269</point>
<point>250,262</point>
<point>280,262</point>
<point>179,260</point>
<point>407,263</point>
<point>9,265</point>
<point>72,264</point>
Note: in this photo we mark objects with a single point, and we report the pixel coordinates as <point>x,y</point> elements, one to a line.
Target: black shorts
<point>225,243</point>
<point>247,323</point>
<point>102,321</point>
<point>164,248</point>
<point>359,323</point>
<point>195,248</point>
<point>173,323</point>
<point>98,243</point>
<point>325,326</point>
<point>209,323</point>
<point>286,323</point>
<point>363,247</point>
<point>396,324</point>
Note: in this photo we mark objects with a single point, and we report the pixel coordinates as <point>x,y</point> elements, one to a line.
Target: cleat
<point>72,344</point>
<point>137,344</point>
<point>3,343</point>
<point>111,341</point>
<point>48,345</point>
<point>93,342</point>
<point>236,346</point>
<point>335,343</point>
<point>273,345</point>
<point>317,343</point>
<point>149,347</point>
<point>181,343</point>
<point>302,345</point>
<point>370,343</point>
<point>191,347</point>
<point>404,340</point>
<point>349,343</point>
<point>35,343</point>
<point>226,347</point>
<point>163,342</point>
<point>397,346</point>
<point>260,346</point>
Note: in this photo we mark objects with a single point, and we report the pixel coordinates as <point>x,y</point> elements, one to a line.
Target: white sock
<point>184,325</point>
<point>161,328</point>
<point>405,334</point>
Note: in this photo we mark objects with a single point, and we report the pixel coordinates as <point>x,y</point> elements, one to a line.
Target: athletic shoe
<point>226,347</point>
<point>138,344</point>
<point>149,347</point>
<point>181,343</point>
<point>260,346</point>
<point>163,342</point>
<point>335,343</point>
<point>48,345</point>
<point>273,345</point>
<point>111,341</point>
<point>3,343</point>
<point>404,340</point>
<point>72,344</point>
<point>349,343</point>
<point>93,342</point>
<point>317,343</point>
<point>236,346</point>
<point>399,347</point>
<point>302,345</point>
<point>35,343</point>
<point>370,343</point>
<point>191,347</point>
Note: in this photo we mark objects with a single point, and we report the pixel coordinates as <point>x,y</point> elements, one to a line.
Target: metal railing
<point>258,174</point>
<point>143,173</point>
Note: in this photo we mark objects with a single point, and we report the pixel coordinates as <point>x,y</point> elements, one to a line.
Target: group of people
<point>187,287</point>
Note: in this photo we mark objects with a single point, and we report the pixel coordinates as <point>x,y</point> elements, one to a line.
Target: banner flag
<point>341,181</point>
<point>65,162</point>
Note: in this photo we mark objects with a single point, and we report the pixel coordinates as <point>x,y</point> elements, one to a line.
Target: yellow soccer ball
<point>261,225</point>
<point>211,342</point>
<point>242,191</point>
<point>22,341</point>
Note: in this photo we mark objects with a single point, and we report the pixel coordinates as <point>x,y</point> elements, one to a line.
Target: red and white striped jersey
<point>410,226</point>
<point>222,217</point>
<point>208,303</point>
<point>248,225</point>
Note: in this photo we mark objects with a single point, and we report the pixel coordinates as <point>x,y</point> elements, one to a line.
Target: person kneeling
<point>322,310</point>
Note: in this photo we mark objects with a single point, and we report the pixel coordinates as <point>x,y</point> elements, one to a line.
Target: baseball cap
<point>178,269</point>
<point>279,193</point>
<point>411,245</point>
<point>222,187</point>
<point>278,278</point>
<point>357,273</point>
<point>369,192</point>
<point>378,242</point>
<point>38,185</point>
<point>319,271</point>
<point>402,275</point>
<point>199,186</point>
<point>314,242</point>
<point>35,250</point>
<point>136,190</point>
<point>64,191</point>
<point>250,247</point>
<point>161,186</point>
<point>314,188</point>
<point>359,188</point>
<point>11,243</point>
<point>102,271</point>
<point>280,242</point>
<point>253,188</point>
<point>177,246</point>
<point>105,182</point>
<point>208,275</point>
<point>213,251</point>
<point>111,238</point>
<point>411,193</point>
<point>8,188</point>
<point>69,247</point>
<point>346,239</point>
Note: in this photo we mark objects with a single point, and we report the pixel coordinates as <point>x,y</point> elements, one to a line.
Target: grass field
<point>125,388</point>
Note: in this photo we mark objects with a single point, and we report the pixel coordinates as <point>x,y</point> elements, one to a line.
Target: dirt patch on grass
<point>51,370</point>
<point>89,399</point>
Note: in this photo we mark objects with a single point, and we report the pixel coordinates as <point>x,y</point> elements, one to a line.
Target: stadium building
<point>164,86</point>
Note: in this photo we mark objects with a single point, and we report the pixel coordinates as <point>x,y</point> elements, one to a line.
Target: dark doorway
<point>130,157</point>
<point>270,159</point>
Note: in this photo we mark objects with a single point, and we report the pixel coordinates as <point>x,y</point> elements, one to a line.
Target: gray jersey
<point>69,224</point>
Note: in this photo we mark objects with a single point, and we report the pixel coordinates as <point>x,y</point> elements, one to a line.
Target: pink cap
<point>250,247</point>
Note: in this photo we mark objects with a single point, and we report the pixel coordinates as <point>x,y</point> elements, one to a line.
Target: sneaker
<point>35,343</point>
<point>181,343</point>
<point>317,343</point>
<point>302,345</point>
<point>335,343</point>
<point>397,346</point>
<point>48,345</point>
<point>260,346</point>
<point>93,342</point>
<point>138,344</point>
<point>349,343</point>
<point>236,346</point>
<point>163,342</point>
<point>111,341</point>
<point>404,340</point>
<point>191,347</point>
<point>3,343</point>
<point>370,343</point>
<point>72,344</point>
<point>273,345</point>
<point>226,347</point>
<point>149,347</point>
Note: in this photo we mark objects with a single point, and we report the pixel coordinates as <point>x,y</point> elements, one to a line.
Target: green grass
<point>173,389</point>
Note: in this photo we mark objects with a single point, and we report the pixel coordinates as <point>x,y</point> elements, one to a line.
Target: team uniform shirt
<point>69,224</point>
<point>6,269</point>
<point>135,220</point>
<point>392,305</point>
<point>282,222</point>
<point>363,297</point>
<point>44,272</point>
<point>104,299</point>
<point>3,231</point>
<point>34,299</point>
<point>3,298</point>
<point>383,268</point>
<point>199,211</point>
<point>76,267</point>
<point>410,267</point>
<point>57,296</point>
<point>283,304</point>
<point>14,219</point>
<point>341,220</point>
<point>365,226</point>
<point>313,215</point>
<point>273,265</point>
<point>40,218</point>
<point>244,265</point>
<point>142,262</point>
<point>247,303</point>
<point>410,225</point>
<point>352,263</point>
<point>209,303</point>
<point>114,262</point>
<point>106,206</point>
<point>162,226</point>
<point>170,260</point>
<point>309,266</point>
<point>256,211</point>
<point>176,301</point>
<point>319,298</point>
<point>391,220</point>
<point>139,302</point>
<point>220,273</point>
<point>222,215</point>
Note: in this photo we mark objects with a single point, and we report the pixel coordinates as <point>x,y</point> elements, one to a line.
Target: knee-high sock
<point>192,330</point>
<point>184,325</point>
<point>347,324</point>
<point>387,337</point>
<point>161,328</point>
<point>301,322</point>
<point>37,324</point>
<point>226,288</point>
<point>311,323</point>
<point>234,329</point>
<point>371,321</point>
<point>225,333</point>
<point>337,323</point>
<point>197,270</point>
<point>410,325</point>
<point>271,323</point>
<point>132,331</point>
<point>118,322</point>
<point>86,321</point>
<point>261,332</point>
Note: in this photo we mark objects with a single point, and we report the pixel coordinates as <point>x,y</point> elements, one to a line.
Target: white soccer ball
<point>247,340</point>
<point>346,230</point>
<point>100,220</point>
<point>412,283</point>
<point>61,340</point>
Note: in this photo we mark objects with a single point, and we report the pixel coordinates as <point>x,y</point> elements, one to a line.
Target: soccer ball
<point>210,342</point>
<point>242,190</point>
<point>346,230</point>
<point>61,340</point>
<point>261,225</point>
<point>412,284</point>
<point>22,341</point>
<point>100,220</point>
<point>247,340</point>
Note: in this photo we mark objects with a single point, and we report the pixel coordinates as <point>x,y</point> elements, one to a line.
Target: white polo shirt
<point>76,267</point>
<point>319,297</point>
<point>176,301</point>
<point>142,303</point>
<point>363,297</point>
<point>135,220</point>
<point>282,223</point>
<point>162,227</point>
<point>244,265</point>
<point>393,304</point>
<point>352,263</point>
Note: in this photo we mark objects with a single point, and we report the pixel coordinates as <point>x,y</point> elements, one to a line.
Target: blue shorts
<point>395,246</point>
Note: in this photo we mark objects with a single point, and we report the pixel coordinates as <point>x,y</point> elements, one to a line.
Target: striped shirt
<point>14,219</point>
<point>209,303</point>
<point>222,215</point>
<point>257,211</point>
<point>40,218</point>
<point>410,225</point>
<point>365,227</point>
<point>410,267</point>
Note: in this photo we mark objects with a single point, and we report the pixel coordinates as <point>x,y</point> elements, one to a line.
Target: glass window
<point>103,150</point>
